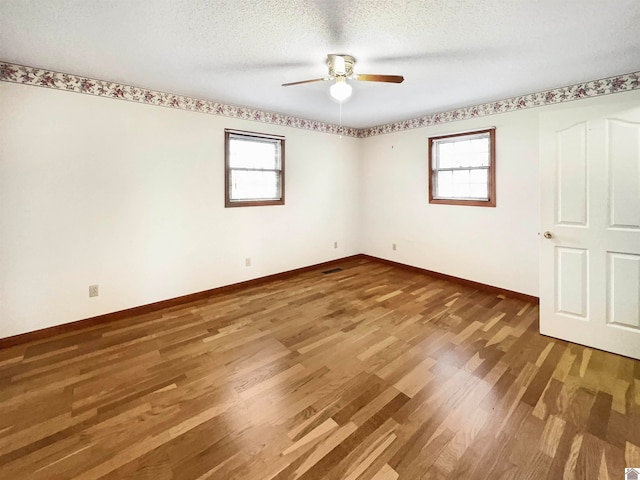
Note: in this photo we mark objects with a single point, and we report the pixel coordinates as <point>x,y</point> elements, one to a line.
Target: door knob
<point>548,234</point>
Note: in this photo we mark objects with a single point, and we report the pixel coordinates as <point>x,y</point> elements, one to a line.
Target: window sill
<point>253,203</point>
<point>469,203</point>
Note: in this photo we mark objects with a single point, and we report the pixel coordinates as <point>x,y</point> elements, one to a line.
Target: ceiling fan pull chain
<point>340,119</point>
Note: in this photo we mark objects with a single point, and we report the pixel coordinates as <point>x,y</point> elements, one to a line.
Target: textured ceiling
<point>452,53</point>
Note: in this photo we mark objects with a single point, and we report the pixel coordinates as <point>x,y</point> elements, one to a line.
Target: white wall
<point>131,197</point>
<point>495,246</point>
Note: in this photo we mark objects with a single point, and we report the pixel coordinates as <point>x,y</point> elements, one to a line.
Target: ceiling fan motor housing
<point>340,67</point>
<point>349,61</point>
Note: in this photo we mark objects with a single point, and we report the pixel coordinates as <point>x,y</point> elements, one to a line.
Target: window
<point>462,169</point>
<point>254,169</point>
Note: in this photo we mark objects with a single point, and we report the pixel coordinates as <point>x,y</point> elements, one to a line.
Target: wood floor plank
<point>370,372</point>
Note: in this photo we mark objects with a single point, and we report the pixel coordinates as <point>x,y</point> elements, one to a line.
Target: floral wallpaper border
<point>595,88</point>
<point>10,72</point>
<point>62,81</point>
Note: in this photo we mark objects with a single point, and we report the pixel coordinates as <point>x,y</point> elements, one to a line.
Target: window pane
<point>447,157</point>
<point>446,148</point>
<point>462,184</point>
<point>461,176</point>
<point>461,147</point>
<point>254,185</point>
<point>444,154</point>
<point>480,144</point>
<point>478,190</point>
<point>478,175</point>
<point>478,159</point>
<point>458,152</point>
<point>444,184</point>
<point>479,184</point>
<point>254,153</point>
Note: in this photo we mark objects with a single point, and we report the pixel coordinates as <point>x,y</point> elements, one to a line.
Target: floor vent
<point>333,270</point>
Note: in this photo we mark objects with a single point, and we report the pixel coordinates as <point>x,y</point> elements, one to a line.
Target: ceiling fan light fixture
<point>340,90</point>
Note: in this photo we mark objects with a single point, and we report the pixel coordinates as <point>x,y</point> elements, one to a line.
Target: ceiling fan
<point>341,69</point>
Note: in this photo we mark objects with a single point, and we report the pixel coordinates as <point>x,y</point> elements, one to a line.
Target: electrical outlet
<point>247,262</point>
<point>93,290</point>
<point>393,246</point>
<point>335,244</point>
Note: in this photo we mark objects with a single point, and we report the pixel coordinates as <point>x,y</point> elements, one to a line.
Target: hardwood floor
<point>372,372</point>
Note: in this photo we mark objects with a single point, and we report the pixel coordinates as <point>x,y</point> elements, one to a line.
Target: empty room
<point>319,239</point>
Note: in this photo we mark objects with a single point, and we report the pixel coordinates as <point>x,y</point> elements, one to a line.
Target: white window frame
<point>229,135</point>
<point>434,168</point>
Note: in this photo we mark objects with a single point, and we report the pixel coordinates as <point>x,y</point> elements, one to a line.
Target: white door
<point>590,214</point>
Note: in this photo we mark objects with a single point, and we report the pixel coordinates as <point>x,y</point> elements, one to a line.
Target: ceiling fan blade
<point>305,81</point>
<point>368,77</point>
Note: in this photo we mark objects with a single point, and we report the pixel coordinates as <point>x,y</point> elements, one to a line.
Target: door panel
<point>623,301</point>
<point>571,283</point>
<point>572,175</point>
<point>624,174</point>
<point>590,209</point>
